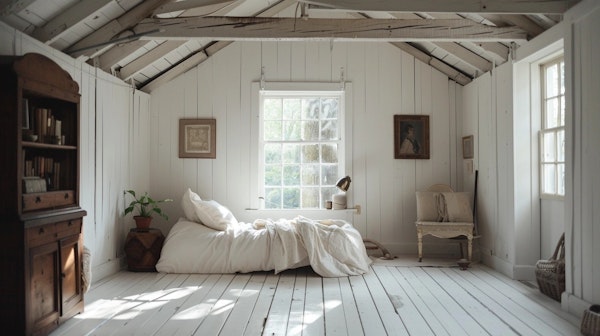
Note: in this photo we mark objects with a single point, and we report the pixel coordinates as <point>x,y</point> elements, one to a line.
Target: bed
<point>210,240</point>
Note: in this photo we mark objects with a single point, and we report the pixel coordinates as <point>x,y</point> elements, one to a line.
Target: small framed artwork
<point>197,138</point>
<point>411,137</point>
<point>467,145</point>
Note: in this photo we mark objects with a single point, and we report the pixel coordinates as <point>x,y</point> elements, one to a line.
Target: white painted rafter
<point>384,30</point>
<point>447,6</point>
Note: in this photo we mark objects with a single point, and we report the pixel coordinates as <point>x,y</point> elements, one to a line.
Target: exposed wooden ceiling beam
<point>208,52</point>
<point>496,48</point>
<point>148,58</point>
<point>68,18</point>
<point>446,69</point>
<point>466,56</point>
<point>112,56</point>
<point>521,21</point>
<point>447,6</point>
<point>385,30</point>
<point>98,39</point>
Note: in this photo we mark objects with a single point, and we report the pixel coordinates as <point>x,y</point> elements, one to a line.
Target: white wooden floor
<point>390,300</point>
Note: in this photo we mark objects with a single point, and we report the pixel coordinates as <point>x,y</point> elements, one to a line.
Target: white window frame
<point>551,130</point>
<point>260,89</point>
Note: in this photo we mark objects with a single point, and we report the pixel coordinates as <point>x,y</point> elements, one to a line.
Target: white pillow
<point>189,202</point>
<point>458,206</point>
<point>214,215</point>
<point>427,206</point>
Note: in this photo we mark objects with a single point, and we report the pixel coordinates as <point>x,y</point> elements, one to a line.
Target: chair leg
<point>420,245</point>
<point>460,247</point>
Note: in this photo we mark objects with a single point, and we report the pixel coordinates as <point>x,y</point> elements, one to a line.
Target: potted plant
<point>145,206</point>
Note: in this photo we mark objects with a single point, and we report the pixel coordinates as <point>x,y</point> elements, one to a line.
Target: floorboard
<point>392,299</point>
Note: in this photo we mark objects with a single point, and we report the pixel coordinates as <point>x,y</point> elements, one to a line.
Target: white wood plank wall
<point>385,81</point>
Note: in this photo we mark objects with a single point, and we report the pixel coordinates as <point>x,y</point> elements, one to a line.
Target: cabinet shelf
<point>29,144</point>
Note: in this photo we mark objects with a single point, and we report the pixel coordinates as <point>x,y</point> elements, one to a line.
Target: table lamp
<point>339,199</point>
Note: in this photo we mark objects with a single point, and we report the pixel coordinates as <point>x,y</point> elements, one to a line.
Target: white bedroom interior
<point>129,140</point>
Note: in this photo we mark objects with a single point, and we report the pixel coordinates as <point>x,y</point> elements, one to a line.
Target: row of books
<point>46,168</point>
<point>43,123</point>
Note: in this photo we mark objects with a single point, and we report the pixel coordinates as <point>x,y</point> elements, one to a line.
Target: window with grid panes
<point>552,139</point>
<point>301,148</point>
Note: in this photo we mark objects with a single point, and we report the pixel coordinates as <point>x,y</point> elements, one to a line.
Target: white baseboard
<point>499,265</point>
<point>524,272</point>
<point>108,268</point>
<point>573,304</point>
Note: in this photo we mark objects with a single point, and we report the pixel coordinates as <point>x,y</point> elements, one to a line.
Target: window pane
<point>272,153</point>
<point>291,153</point>
<point>548,154</point>
<point>272,108</point>
<point>562,111</point>
<point>291,175</point>
<point>273,198</point>
<point>329,174</point>
<point>552,113</point>
<point>310,175</point>
<point>552,81</point>
<point>329,130</point>
<point>560,140</point>
<point>560,170</point>
<point>273,175</point>
<point>291,109</point>
<point>272,130</point>
<point>330,108</point>
<point>310,198</point>
<point>562,77</point>
<point>310,108</point>
<point>310,130</point>
<point>291,130</point>
<point>310,153</point>
<point>291,198</point>
<point>329,152</point>
<point>549,173</point>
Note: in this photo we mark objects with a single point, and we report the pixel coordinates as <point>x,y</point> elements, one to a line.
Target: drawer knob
<point>42,231</point>
<point>38,199</point>
<point>66,195</point>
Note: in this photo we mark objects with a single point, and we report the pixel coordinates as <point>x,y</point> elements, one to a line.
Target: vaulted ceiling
<point>148,43</point>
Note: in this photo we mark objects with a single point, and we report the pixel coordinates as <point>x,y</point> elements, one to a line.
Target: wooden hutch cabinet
<point>40,217</point>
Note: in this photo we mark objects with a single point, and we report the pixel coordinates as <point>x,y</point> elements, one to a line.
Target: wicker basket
<point>590,324</point>
<point>550,274</point>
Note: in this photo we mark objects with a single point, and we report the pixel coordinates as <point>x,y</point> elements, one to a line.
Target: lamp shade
<point>344,183</point>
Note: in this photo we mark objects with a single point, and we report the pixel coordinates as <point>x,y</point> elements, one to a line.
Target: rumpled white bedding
<point>332,248</point>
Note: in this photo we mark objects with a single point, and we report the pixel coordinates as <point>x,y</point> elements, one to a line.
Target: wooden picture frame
<point>467,147</point>
<point>197,138</point>
<point>411,137</point>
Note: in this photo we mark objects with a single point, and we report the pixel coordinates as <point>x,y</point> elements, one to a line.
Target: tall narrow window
<point>552,140</point>
<point>301,147</point>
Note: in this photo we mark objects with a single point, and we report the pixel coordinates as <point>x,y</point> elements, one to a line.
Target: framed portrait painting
<point>197,138</point>
<point>411,136</point>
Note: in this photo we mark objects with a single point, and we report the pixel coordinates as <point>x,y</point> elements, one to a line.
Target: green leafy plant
<point>145,205</point>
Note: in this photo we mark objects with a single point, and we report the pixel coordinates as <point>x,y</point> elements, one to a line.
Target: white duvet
<point>332,248</point>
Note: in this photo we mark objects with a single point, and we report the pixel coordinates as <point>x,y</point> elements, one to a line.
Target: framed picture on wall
<point>411,136</point>
<point>197,138</point>
<point>467,145</point>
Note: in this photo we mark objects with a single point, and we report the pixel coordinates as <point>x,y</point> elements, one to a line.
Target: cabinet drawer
<point>68,228</point>
<point>48,200</point>
<point>41,235</point>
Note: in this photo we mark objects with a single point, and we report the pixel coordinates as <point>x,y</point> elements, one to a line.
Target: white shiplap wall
<point>511,215</point>
<point>385,81</point>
